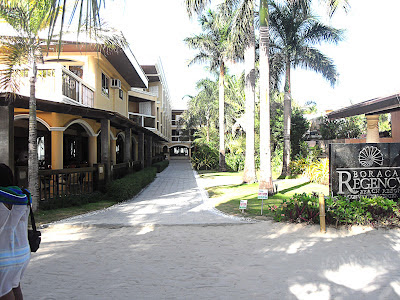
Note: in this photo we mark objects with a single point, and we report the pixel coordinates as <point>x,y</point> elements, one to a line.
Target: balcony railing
<point>56,83</point>
<point>181,138</point>
<point>143,120</point>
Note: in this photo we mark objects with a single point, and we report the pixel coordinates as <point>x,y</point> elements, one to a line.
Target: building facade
<point>97,111</point>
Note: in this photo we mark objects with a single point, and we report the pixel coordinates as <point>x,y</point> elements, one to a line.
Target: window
<point>105,89</point>
<point>121,94</point>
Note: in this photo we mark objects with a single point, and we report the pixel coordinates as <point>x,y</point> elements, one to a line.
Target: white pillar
<point>372,129</point>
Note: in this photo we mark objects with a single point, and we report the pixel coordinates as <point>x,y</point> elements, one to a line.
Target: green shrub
<point>205,158</point>
<point>128,186</point>
<point>375,211</point>
<point>318,171</point>
<point>235,162</point>
<point>72,200</point>
<point>300,208</point>
<point>160,166</point>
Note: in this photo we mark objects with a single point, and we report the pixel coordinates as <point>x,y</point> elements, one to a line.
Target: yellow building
<point>99,113</point>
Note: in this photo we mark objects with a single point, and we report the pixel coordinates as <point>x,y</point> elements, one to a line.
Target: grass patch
<point>228,197</point>
<point>47,216</point>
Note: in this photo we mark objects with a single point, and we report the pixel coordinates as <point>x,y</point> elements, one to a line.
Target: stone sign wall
<point>358,170</point>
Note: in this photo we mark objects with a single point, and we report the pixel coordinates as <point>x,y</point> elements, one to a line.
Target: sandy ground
<point>166,258</point>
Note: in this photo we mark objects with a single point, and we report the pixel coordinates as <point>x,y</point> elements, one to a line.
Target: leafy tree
<point>213,48</point>
<point>25,49</point>
<point>294,32</point>
<point>346,128</point>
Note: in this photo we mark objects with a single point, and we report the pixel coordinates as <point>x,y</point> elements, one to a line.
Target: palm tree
<point>243,42</point>
<point>213,46</point>
<point>24,49</point>
<point>203,108</point>
<point>294,32</point>
<point>265,180</point>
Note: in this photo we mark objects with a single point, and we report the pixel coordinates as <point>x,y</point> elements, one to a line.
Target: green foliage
<point>117,190</point>
<point>384,124</point>
<point>205,157</point>
<point>376,211</point>
<point>318,171</point>
<point>73,200</point>
<point>352,127</point>
<point>235,161</point>
<point>307,156</point>
<point>300,208</point>
<point>299,126</point>
<point>160,166</point>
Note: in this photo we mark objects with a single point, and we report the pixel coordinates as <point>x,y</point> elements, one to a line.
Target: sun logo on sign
<point>369,156</point>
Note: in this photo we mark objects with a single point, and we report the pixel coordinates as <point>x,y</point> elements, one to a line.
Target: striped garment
<point>14,247</point>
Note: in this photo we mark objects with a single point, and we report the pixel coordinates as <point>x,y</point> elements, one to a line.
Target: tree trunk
<point>265,181</point>
<point>33,163</point>
<point>287,116</point>
<point>249,175</point>
<point>222,165</point>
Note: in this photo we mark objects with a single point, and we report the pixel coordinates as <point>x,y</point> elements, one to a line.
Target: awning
<point>374,106</point>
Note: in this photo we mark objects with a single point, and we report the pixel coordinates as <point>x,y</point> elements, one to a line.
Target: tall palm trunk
<point>249,175</point>
<point>33,162</point>
<point>287,116</point>
<point>265,181</point>
<point>222,165</point>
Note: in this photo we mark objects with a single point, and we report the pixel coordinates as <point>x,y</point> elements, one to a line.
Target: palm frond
<point>313,59</point>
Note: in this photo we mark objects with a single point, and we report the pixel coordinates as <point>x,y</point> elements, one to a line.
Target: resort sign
<point>365,170</point>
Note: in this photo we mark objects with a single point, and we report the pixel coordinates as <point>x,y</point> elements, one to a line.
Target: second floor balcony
<point>143,120</point>
<point>56,83</point>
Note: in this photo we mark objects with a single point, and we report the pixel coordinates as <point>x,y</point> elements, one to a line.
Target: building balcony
<point>56,83</point>
<point>181,138</point>
<point>143,120</point>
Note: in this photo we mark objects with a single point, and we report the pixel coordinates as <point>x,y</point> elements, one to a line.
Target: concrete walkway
<point>168,243</point>
<point>173,198</point>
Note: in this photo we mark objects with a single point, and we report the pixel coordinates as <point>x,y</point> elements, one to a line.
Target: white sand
<point>229,260</point>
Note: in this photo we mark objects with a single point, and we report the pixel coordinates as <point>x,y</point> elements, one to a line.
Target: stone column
<point>92,150</point>
<point>113,148</point>
<point>105,148</point>
<point>7,134</point>
<point>372,129</point>
<point>128,145</point>
<point>141,149</point>
<point>57,149</point>
<point>149,151</point>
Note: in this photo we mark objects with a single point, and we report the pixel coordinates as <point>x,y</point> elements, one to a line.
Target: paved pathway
<point>169,244</point>
<point>174,197</point>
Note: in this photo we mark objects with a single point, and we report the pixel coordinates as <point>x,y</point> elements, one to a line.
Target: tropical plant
<point>24,50</point>
<point>243,40</point>
<point>318,171</point>
<point>213,48</point>
<point>351,127</point>
<point>265,180</point>
<point>294,32</point>
<point>203,108</point>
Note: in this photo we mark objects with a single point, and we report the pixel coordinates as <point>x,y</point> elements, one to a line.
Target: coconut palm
<point>243,42</point>
<point>24,50</point>
<point>265,180</point>
<point>294,32</point>
<point>213,49</point>
<point>203,108</point>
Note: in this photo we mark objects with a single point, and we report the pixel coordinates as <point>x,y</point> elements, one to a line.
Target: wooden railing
<point>65,182</point>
